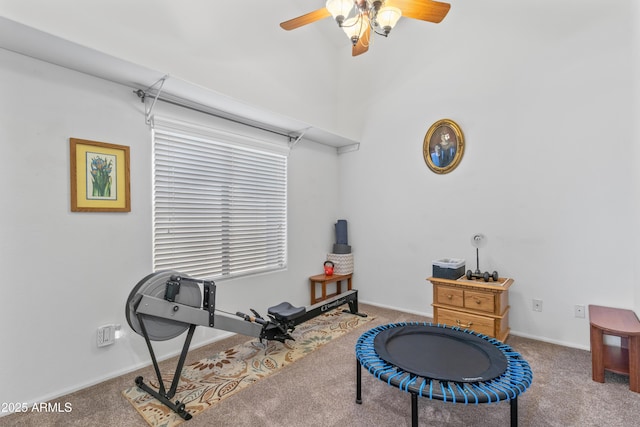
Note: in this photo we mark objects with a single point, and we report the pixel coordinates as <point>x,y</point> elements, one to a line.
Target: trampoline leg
<point>514,412</point>
<point>414,410</point>
<point>358,381</point>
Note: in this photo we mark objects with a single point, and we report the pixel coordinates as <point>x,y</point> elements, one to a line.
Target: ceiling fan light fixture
<point>354,27</point>
<point>363,19</point>
<point>340,9</point>
<point>388,17</point>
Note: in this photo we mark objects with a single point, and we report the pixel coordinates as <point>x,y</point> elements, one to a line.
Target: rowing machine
<point>165,304</point>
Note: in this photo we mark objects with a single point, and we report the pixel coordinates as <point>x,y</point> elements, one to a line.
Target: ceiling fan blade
<point>424,10</point>
<point>305,19</point>
<point>363,43</point>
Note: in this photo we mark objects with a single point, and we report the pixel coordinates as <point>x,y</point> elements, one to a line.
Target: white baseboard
<point>516,333</point>
<point>549,340</point>
<point>403,310</point>
<point>118,373</point>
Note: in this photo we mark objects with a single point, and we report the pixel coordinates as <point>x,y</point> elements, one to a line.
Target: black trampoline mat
<point>442,354</point>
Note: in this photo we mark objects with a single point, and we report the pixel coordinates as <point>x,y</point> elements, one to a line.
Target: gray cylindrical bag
<point>341,232</point>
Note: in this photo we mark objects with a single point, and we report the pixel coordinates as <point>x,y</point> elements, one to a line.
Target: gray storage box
<point>448,268</point>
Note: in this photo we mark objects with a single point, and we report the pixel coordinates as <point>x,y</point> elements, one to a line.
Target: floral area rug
<point>206,382</point>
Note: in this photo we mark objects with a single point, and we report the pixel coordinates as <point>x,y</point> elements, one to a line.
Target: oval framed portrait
<point>443,146</point>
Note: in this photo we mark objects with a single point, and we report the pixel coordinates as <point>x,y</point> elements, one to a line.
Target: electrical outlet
<point>106,335</point>
<point>537,304</point>
<point>579,311</point>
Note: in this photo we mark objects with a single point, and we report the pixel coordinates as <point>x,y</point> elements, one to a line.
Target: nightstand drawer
<point>479,324</point>
<point>481,301</point>
<point>450,296</point>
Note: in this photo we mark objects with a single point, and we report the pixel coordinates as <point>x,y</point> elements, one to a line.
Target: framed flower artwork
<point>99,177</point>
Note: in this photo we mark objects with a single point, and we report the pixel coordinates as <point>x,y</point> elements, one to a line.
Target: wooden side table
<point>473,304</point>
<point>623,360</point>
<point>323,279</point>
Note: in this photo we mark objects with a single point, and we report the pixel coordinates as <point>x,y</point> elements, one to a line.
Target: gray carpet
<point>319,390</point>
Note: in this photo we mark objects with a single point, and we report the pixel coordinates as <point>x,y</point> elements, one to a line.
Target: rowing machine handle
<point>252,318</point>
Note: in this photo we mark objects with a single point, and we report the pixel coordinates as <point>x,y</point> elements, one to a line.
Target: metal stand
<point>358,382</point>
<point>414,410</point>
<point>353,307</point>
<point>514,412</point>
<point>162,395</point>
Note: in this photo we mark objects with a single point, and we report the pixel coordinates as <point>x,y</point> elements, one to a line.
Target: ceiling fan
<point>358,18</point>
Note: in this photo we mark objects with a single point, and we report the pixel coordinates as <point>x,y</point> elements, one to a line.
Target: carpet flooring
<point>206,382</point>
<point>319,390</point>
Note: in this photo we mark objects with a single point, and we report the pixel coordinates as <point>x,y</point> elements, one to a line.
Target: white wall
<point>546,95</point>
<point>635,234</point>
<point>65,274</point>
<point>236,48</point>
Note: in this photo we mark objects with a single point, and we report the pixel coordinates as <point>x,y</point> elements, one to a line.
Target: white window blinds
<point>219,202</point>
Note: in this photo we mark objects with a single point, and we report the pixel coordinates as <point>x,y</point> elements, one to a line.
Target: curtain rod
<point>142,94</point>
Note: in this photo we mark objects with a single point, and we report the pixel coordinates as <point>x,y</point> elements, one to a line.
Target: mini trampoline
<point>443,363</point>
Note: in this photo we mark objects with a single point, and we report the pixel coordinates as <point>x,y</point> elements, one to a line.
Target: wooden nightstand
<point>473,304</point>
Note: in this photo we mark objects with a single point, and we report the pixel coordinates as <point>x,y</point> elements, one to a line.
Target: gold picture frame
<point>443,146</point>
<point>99,176</point>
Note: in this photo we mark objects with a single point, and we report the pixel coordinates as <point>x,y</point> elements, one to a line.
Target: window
<point>219,202</point>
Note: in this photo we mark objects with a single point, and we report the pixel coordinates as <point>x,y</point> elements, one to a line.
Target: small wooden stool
<point>623,360</point>
<point>323,280</point>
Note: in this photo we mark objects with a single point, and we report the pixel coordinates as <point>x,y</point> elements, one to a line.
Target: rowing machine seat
<point>286,312</point>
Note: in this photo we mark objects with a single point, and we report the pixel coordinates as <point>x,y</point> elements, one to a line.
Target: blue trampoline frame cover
<point>515,379</point>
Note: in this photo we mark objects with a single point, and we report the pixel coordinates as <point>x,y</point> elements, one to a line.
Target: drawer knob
<point>478,301</point>
<point>468,325</point>
<point>449,296</point>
